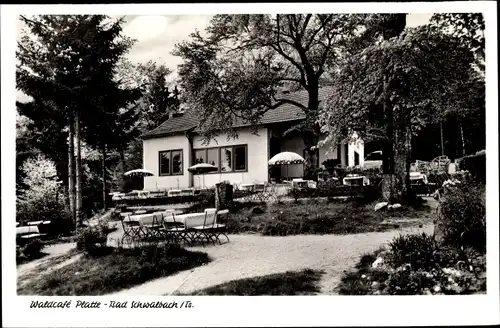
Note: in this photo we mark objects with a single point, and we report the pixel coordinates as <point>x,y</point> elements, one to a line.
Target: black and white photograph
<point>168,157</point>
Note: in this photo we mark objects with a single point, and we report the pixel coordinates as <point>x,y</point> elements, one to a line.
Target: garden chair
<point>152,227</point>
<point>175,231</point>
<point>203,233</point>
<point>219,229</point>
<point>132,231</point>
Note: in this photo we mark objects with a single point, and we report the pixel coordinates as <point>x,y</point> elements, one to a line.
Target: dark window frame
<point>219,154</point>
<point>170,163</point>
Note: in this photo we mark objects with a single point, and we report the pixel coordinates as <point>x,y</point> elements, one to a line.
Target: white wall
<point>151,149</point>
<point>257,151</point>
<point>357,146</point>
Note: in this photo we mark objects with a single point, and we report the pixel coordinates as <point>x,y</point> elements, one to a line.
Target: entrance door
<point>274,148</point>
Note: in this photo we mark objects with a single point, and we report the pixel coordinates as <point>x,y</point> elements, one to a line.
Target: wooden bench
<point>27,233</point>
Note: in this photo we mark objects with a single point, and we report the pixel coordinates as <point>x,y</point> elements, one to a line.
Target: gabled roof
<point>284,113</point>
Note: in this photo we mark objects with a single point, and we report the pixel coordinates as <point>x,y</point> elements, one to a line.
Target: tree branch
<point>304,27</point>
<point>323,24</point>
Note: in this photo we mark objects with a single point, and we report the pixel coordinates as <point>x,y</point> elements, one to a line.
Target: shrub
<point>475,164</point>
<point>43,198</point>
<point>408,282</point>
<point>33,248</point>
<point>93,240</point>
<point>20,257</point>
<point>416,250</point>
<point>463,217</point>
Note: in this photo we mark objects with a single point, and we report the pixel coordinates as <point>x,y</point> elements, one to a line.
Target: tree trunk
<point>462,137</point>
<point>71,168</point>
<point>103,149</point>
<point>311,137</point>
<point>391,182</point>
<point>122,161</point>
<point>78,171</point>
<point>395,180</point>
<point>442,138</point>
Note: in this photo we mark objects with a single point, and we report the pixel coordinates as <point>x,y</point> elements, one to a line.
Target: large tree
<point>391,87</point>
<point>66,62</point>
<point>240,68</point>
<point>160,98</point>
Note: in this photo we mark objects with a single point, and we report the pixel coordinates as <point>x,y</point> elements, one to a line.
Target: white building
<point>175,145</point>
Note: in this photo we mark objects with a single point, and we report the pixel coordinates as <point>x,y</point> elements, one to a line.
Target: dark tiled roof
<point>173,125</point>
<point>284,113</point>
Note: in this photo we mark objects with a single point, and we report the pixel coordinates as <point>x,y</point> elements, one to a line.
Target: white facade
<point>257,156</point>
<point>151,159</point>
<point>355,153</point>
<point>257,168</point>
<point>256,160</point>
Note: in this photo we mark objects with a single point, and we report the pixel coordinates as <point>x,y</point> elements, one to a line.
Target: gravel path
<point>254,255</point>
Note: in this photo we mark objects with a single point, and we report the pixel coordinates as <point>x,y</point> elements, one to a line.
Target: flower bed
<point>417,265</point>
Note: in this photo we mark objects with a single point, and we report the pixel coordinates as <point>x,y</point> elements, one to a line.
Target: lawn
<point>288,283</point>
<point>114,270</point>
<point>322,216</point>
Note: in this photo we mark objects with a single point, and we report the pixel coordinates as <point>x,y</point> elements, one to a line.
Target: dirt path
<point>254,255</point>
<point>52,251</point>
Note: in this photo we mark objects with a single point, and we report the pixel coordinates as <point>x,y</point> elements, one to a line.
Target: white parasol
<point>286,158</point>
<point>138,173</point>
<point>202,168</point>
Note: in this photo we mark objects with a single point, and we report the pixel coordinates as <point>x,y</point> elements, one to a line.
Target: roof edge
<point>147,136</point>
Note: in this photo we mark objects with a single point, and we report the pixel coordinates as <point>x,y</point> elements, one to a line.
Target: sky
<point>157,35</point>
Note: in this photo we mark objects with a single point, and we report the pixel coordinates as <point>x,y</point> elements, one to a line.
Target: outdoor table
<point>126,213</point>
<point>189,220</point>
<point>247,186</point>
<point>35,223</point>
<point>174,192</point>
<point>354,180</point>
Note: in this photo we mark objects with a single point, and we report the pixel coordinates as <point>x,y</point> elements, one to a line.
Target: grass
<point>288,283</point>
<point>321,216</point>
<point>114,270</point>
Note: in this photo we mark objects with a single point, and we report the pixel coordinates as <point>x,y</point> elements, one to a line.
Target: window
<point>374,156</point>
<point>177,162</point>
<point>165,163</point>
<point>170,162</point>
<point>225,159</point>
<point>199,156</point>
<point>213,156</point>
<point>240,158</point>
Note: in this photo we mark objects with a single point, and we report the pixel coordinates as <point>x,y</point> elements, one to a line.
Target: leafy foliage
<point>469,27</point>
<point>463,216</point>
<point>43,199</point>
<point>239,71</point>
<point>423,69</point>
<point>418,250</point>
<point>33,248</point>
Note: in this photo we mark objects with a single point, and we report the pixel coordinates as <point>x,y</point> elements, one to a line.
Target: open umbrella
<point>286,158</point>
<point>139,173</point>
<point>202,168</point>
